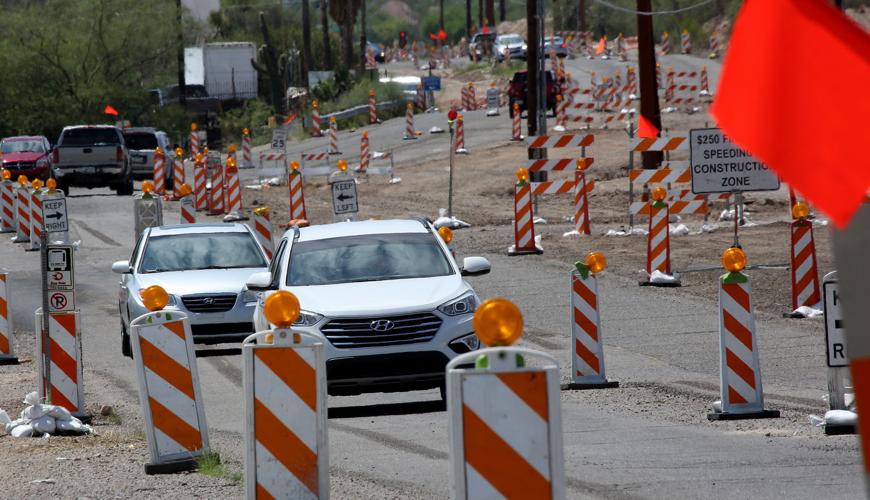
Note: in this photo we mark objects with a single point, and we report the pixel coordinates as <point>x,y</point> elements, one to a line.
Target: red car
<point>27,155</point>
<point>518,89</point>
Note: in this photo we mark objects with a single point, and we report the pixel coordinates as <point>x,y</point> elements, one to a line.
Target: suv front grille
<point>209,303</point>
<point>360,332</point>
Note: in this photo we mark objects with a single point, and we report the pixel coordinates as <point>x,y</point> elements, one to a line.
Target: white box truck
<point>223,68</point>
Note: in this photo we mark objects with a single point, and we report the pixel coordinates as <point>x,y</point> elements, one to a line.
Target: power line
<point>605,3</point>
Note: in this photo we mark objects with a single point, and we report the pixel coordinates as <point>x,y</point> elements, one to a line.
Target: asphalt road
<point>648,439</point>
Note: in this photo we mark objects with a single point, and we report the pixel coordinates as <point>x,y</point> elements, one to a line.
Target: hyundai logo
<point>208,301</point>
<point>381,325</point>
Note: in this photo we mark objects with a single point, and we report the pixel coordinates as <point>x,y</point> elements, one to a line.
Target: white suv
<point>386,295</point>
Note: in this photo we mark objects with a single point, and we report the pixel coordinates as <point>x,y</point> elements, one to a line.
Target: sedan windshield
<point>510,40</point>
<point>22,147</point>
<point>190,252</point>
<point>373,257</point>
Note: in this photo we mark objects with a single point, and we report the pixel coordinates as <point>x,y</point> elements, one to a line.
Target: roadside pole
<point>649,99</point>
<point>536,89</point>
<point>451,117</point>
<point>46,316</point>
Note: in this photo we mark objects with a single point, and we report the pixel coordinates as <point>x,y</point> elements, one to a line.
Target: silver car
<point>203,268</point>
<point>141,143</point>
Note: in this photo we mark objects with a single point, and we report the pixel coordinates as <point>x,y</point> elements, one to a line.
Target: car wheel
<point>125,189</point>
<point>63,186</point>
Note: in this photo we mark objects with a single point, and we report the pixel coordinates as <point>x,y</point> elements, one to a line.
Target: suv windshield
<point>141,140</point>
<point>374,257</point>
<point>89,137</point>
<point>510,40</point>
<point>190,252</point>
<point>22,147</point>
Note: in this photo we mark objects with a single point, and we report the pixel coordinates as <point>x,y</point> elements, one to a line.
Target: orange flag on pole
<point>788,67</point>
<point>646,129</point>
<point>599,49</point>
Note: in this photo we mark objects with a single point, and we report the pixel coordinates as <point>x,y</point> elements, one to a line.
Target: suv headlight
<point>250,296</point>
<point>307,318</point>
<point>465,304</point>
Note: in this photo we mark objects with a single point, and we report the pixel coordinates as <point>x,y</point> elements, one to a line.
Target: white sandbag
<point>22,431</point>
<point>841,417</point>
<point>32,398</point>
<point>679,230</point>
<point>44,424</point>
<point>660,277</point>
<point>59,412</point>
<point>4,419</point>
<point>72,425</point>
<point>34,411</point>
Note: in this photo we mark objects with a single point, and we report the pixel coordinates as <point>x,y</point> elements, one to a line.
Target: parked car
<point>203,268</point>
<point>386,296</point>
<point>92,156</point>
<point>141,143</point>
<point>511,45</point>
<point>27,155</point>
<point>518,89</point>
<point>481,45</point>
<point>558,45</point>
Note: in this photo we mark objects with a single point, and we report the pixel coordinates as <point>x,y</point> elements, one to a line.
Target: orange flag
<point>646,129</point>
<point>599,49</point>
<point>784,97</point>
<point>110,110</point>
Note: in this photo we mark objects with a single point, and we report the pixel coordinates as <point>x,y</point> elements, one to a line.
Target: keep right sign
<point>719,166</point>
<point>835,334</point>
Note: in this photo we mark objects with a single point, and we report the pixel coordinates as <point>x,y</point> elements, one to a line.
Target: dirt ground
<point>483,196</point>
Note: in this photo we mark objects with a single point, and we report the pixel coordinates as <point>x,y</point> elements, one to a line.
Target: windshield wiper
<point>218,267</point>
<point>157,270</point>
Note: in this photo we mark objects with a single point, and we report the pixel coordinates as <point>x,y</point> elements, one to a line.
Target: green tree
<point>344,13</point>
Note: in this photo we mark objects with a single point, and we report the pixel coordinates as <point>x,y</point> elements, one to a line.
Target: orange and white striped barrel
<point>315,120</point>
<point>22,210</point>
<point>200,176</point>
<point>524,227</point>
<point>666,43</point>
<point>263,230</point>
<point>234,192</point>
<point>740,372</point>
<point>247,161</point>
<point>517,125</point>
<point>581,204</point>
<point>158,172</point>
<point>410,133</point>
<point>333,136</point>
<point>286,447</point>
<point>804,268</point>
<point>7,339</point>
<point>65,339</point>
<point>194,142</point>
<point>7,206</point>
<point>187,208</point>
<point>587,362</point>
<point>216,197</point>
<point>177,176</point>
<point>297,195</point>
<point>37,222</point>
<point>373,108</point>
<point>169,390</point>
<point>658,250</point>
<point>505,426</point>
<point>685,42</point>
<point>363,153</point>
<point>459,139</point>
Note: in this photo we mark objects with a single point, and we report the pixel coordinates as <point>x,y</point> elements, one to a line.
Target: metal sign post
<point>46,353</point>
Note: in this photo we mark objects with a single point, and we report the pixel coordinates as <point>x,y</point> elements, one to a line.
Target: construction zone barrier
<point>658,249</point>
<point>169,390</point>
<point>685,42</point>
<point>216,194</point>
<point>65,340</point>
<point>286,441</point>
<point>386,168</point>
<point>681,91</point>
<point>177,173</point>
<point>200,176</point>
<point>272,164</point>
<point>410,132</point>
<point>7,339</point>
<point>37,223</point>
<point>22,211</point>
<point>581,199</point>
<point>587,361</point>
<point>666,44</point>
<point>158,173</point>
<point>234,193</point>
<point>194,141</point>
<point>363,152</point>
<point>186,205</point>
<point>740,371</point>
<point>7,203</point>
<point>309,170</point>
<point>147,210</point>
<point>315,120</point>
<point>804,268</point>
<point>524,227</point>
<point>516,123</point>
<point>246,149</point>
<point>469,101</point>
<point>263,230</point>
<point>504,415</point>
<point>297,196</point>
<point>333,137</point>
<point>373,108</point>
<point>714,45</point>
<point>459,138</point>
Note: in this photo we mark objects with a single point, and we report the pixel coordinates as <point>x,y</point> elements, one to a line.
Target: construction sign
<point>719,166</point>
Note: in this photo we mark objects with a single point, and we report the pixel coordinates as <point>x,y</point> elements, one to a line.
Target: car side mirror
<point>122,267</point>
<point>475,266</point>
<point>259,282</point>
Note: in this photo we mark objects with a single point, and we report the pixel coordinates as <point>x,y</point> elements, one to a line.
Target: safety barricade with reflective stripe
<point>560,141</point>
<point>37,223</point>
<point>324,169</point>
<point>587,361</point>
<point>177,177</point>
<point>65,338</point>
<point>147,212</point>
<point>505,425</point>
<point>286,449</point>
<point>7,339</point>
<point>7,206</point>
<point>804,268</point>
<point>200,175</point>
<point>187,208</point>
<point>524,227</point>
<point>386,168</point>
<point>22,212</point>
<point>297,195</point>
<point>216,194</point>
<point>169,391</point>
<point>263,230</point>
<point>658,254</point>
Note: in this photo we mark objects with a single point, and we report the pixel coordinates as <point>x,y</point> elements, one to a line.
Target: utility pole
<point>581,17</point>
<point>441,14</point>
<point>468,20</point>
<point>306,43</point>
<point>480,14</point>
<point>363,46</point>
<point>502,10</point>
<point>324,22</point>
<point>182,98</point>
<point>649,97</point>
<point>536,86</point>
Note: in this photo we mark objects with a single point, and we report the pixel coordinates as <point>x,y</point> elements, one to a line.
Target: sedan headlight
<point>465,304</point>
<point>525,47</point>
<point>307,318</point>
<point>250,296</point>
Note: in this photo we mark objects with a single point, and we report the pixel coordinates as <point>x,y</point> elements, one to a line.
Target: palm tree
<point>344,12</point>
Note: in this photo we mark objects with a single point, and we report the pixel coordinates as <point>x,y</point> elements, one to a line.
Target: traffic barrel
<point>37,223</point>
<point>159,172</point>
<point>169,391</point>
<point>410,133</point>
<point>740,371</point>
<point>315,120</point>
<point>200,177</point>
<point>177,173</point>
<point>186,205</point>
<point>524,227</point>
<point>147,210</point>
<point>194,140</point>
<point>587,361</point>
<point>22,210</point>
<point>7,202</point>
<point>333,136</point>
<point>504,414</point>
<point>263,230</point>
<point>804,267</point>
<point>7,339</point>
<point>284,375</point>
<point>216,196</point>
<point>66,387</point>
<point>297,195</point>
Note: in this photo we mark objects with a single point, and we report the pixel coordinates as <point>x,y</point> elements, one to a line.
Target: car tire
<point>126,188</point>
<point>63,186</point>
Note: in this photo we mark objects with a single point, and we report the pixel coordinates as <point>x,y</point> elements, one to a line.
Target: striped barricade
<point>505,425</point>
<point>187,209</point>
<point>263,230</point>
<point>37,223</point>
<point>272,163</point>
<point>158,172</point>
<point>740,371</point>
<point>147,212</point>
<point>297,195</point>
<point>587,361</point>
<point>286,449</point>
<point>681,201</point>
<point>200,175</point>
<point>7,204</point>
<point>216,193</point>
<point>65,338</point>
<point>804,268</point>
<point>386,166</point>
<point>323,169</point>
<point>234,193</point>
<point>246,149</point>
<point>333,137</point>
<point>658,250</point>
<point>169,391</point>
<point>524,227</point>
<point>7,339</point>
<point>177,175</point>
<point>22,211</point>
